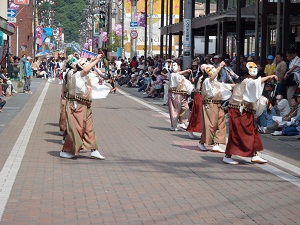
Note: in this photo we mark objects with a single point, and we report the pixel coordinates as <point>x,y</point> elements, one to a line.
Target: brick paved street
<point>150,176</point>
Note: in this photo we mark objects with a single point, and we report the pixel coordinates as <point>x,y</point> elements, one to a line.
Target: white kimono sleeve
<point>253,90</point>
<point>209,87</point>
<point>225,91</point>
<point>80,83</point>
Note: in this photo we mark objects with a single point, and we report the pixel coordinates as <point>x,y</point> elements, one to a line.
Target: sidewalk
<point>150,176</point>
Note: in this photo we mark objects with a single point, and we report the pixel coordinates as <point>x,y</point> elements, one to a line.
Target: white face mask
<point>210,70</point>
<point>252,68</point>
<point>279,97</point>
<point>175,67</point>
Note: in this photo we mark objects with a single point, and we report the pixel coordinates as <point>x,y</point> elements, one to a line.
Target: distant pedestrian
<point>27,76</point>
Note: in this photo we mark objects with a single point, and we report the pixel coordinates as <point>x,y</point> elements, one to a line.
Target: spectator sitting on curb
<point>282,106</point>
<point>2,103</point>
<point>146,83</point>
<point>10,89</point>
<point>157,85</point>
<point>293,127</point>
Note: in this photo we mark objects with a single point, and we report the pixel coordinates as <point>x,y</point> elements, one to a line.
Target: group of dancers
<point>76,121</point>
<point>207,115</point>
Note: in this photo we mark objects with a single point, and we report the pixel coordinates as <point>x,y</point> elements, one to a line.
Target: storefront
<point>6,29</point>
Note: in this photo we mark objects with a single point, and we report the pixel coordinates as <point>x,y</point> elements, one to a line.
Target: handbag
<point>290,81</point>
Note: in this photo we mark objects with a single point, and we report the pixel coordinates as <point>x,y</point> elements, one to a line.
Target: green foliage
<point>115,41</point>
<point>69,14</point>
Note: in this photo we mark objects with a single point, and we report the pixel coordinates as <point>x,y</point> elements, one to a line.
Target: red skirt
<point>195,123</point>
<point>243,139</point>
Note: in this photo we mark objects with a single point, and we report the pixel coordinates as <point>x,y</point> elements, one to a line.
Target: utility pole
<point>133,41</point>
<point>34,27</point>
<point>187,35</point>
<point>150,29</point>
<point>123,17</point>
<point>146,25</point>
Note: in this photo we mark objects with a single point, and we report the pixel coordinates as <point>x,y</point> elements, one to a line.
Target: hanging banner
<point>22,2</point>
<point>96,24</point>
<point>87,54</point>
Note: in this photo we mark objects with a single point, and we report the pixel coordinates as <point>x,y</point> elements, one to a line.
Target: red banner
<point>22,2</point>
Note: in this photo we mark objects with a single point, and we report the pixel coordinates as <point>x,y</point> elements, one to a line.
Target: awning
<point>5,27</point>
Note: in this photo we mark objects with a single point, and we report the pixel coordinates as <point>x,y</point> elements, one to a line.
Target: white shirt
<point>295,61</point>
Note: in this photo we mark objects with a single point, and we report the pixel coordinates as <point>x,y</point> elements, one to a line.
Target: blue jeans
<point>142,88</point>
<point>265,119</point>
<point>290,131</point>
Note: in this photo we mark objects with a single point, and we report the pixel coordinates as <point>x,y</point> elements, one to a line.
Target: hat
<point>28,58</point>
<point>168,60</point>
<point>194,63</point>
<point>217,57</point>
<point>140,67</point>
<point>270,57</point>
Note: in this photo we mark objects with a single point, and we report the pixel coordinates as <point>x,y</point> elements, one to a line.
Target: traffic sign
<point>134,25</point>
<point>11,19</point>
<point>11,13</point>
<point>134,34</point>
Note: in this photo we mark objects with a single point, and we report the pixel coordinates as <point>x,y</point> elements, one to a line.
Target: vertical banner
<point>96,24</point>
<point>187,34</point>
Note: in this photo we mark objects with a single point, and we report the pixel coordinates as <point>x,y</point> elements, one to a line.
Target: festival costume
<point>214,127</point>
<point>179,88</point>
<point>244,139</point>
<point>80,131</point>
<point>195,121</point>
<point>63,100</point>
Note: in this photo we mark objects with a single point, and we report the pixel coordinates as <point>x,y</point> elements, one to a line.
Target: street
<point>151,175</point>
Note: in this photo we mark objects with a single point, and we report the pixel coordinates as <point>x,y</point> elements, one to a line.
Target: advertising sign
<point>22,2</point>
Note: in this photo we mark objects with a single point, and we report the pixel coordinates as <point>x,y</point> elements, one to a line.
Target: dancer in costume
<point>70,63</point>
<point>213,93</point>
<point>244,139</point>
<point>195,122</point>
<point>166,71</point>
<point>80,131</point>
<point>179,87</point>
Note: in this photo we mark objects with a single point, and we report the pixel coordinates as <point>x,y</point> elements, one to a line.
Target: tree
<point>115,41</point>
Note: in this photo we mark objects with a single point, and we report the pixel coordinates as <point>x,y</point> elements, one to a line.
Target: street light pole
<point>133,41</point>
<point>123,17</point>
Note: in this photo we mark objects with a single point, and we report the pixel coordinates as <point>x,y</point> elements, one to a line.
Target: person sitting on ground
<point>266,117</point>
<point>4,87</point>
<point>292,119</point>
<point>2,103</point>
<point>157,85</point>
<point>146,83</point>
<point>282,106</point>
